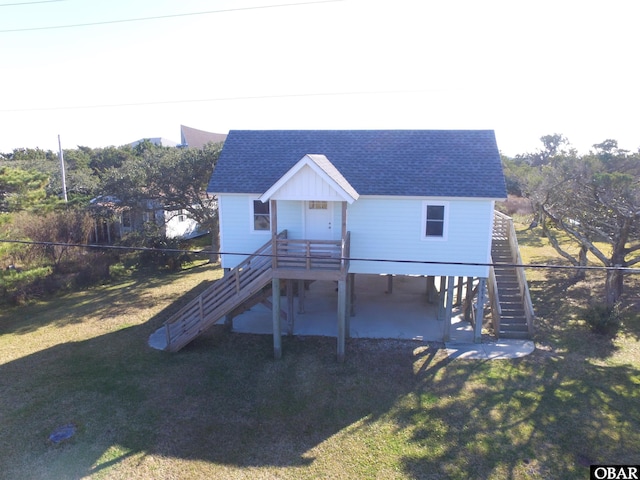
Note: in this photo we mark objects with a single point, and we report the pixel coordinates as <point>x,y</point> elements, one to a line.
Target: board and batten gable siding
<point>390,228</point>
<point>236,233</point>
<point>307,185</point>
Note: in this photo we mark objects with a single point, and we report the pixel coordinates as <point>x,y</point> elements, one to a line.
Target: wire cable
<point>29,3</point>
<point>218,99</point>
<point>162,17</point>
<point>350,259</point>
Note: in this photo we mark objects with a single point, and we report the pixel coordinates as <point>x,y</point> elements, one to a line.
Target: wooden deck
<point>311,259</point>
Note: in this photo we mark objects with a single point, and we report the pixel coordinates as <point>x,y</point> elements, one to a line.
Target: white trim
<point>445,222</point>
<point>307,160</point>
<point>221,223</point>
<point>428,198</point>
<point>252,230</point>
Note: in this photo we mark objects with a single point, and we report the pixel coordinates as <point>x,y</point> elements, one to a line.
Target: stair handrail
<point>494,300</point>
<point>504,222</point>
<point>257,262</point>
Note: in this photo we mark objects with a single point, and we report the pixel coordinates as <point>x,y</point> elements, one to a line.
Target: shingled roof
<point>433,163</point>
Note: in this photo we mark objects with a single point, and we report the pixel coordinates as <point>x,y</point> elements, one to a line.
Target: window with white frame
<point>434,220</point>
<point>261,216</point>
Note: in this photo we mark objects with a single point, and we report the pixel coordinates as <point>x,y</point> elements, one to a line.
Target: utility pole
<point>64,177</point>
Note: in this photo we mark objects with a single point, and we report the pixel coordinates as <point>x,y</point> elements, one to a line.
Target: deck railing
<point>504,229</point>
<point>316,255</point>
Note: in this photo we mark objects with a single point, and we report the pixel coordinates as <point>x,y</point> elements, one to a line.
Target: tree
<point>21,189</point>
<point>173,177</point>
<point>595,200</point>
<point>65,228</point>
<point>181,181</point>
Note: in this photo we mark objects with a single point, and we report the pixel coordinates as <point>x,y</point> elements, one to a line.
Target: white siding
<point>381,228</point>
<point>307,185</point>
<point>391,229</point>
<point>236,234</point>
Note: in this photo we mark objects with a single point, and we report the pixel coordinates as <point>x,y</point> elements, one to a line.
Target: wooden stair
<point>512,311</point>
<point>513,321</point>
<point>244,286</point>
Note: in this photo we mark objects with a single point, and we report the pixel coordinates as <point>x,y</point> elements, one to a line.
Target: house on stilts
<point>300,206</point>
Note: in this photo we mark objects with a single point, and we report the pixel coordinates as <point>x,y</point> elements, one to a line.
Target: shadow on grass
<point>531,238</point>
<point>107,301</point>
<point>541,417</point>
<point>223,400</point>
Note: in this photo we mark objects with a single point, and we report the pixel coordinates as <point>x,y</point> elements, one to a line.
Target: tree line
<point>32,205</point>
<point>584,204</point>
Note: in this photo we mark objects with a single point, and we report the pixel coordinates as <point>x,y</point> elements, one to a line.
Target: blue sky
<point>523,69</point>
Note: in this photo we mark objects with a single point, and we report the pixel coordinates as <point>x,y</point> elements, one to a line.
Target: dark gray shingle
<point>447,163</point>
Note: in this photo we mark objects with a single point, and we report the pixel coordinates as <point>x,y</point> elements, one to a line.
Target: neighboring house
<point>189,137</point>
<point>113,221</point>
<point>299,206</point>
<point>194,138</point>
<point>178,224</point>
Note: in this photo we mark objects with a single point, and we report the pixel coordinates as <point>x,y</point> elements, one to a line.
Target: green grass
<point>224,408</point>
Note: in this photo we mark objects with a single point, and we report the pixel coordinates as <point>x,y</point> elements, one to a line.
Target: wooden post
<point>431,288</point>
<point>477,331</point>
<point>290,317</point>
<point>347,307</point>
<point>441,297</point>
<point>300,296</point>
<point>344,221</point>
<point>468,299</point>
<point>277,328</point>
<point>342,310</point>
<point>273,210</point>
<point>352,294</point>
<point>228,319</point>
<point>459,291</point>
<point>448,310</point>
<point>389,284</point>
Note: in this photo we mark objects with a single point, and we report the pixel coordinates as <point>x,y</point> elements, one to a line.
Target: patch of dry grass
<point>223,408</point>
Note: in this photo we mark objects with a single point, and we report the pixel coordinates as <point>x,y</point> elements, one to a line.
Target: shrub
<point>603,320</point>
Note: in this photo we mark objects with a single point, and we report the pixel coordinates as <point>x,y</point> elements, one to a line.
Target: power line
<point>29,3</point>
<point>350,259</point>
<point>217,99</point>
<point>162,17</point>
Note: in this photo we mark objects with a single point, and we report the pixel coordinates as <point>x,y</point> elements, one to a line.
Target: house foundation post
<point>342,318</point>
<point>441,297</point>
<point>228,319</point>
<point>468,302</point>
<point>352,294</point>
<point>477,328</point>
<point>290,313</point>
<point>431,289</point>
<point>459,291</point>
<point>448,309</point>
<point>389,284</point>
<point>277,327</point>
<point>301,288</point>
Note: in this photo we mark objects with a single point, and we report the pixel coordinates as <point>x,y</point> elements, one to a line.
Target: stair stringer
<point>241,284</point>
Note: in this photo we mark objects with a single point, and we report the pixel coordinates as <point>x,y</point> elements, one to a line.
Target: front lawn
<point>223,408</point>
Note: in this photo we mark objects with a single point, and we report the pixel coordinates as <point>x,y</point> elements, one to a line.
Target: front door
<point>318,220</point>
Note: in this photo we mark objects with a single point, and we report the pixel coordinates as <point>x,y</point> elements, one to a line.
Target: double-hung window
<point>261,216</point>
<point>435,220</point>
